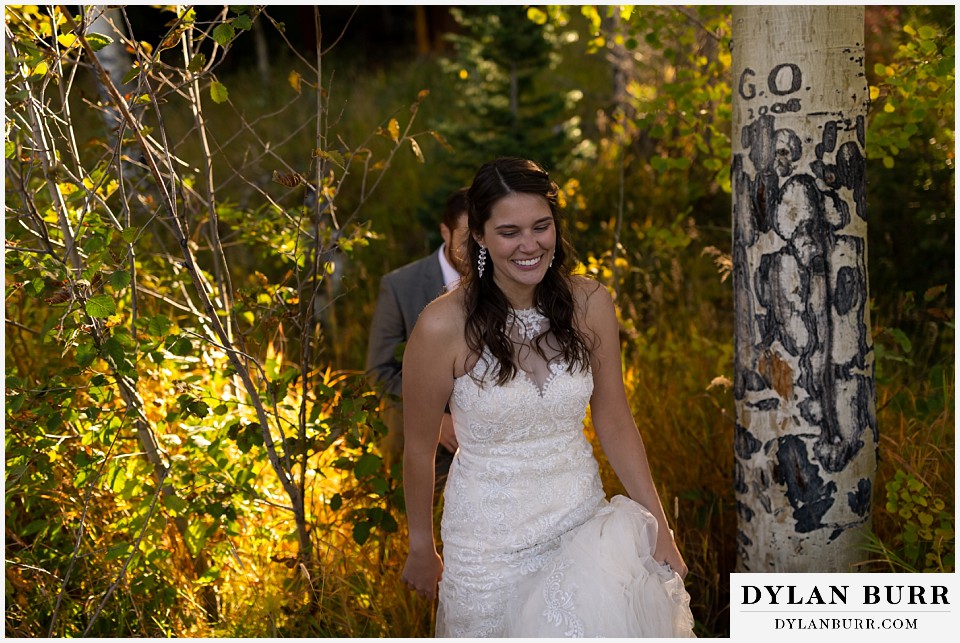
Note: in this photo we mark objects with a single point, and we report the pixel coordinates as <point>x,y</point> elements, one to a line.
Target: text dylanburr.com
<point>852,606</point>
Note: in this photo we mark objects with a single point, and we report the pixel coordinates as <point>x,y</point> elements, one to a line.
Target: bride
<point>531,547</point>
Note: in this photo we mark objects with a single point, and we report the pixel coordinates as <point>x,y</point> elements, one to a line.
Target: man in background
<point>404,293</point>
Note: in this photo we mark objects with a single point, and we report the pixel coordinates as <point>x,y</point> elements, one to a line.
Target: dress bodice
<point>524,472</point>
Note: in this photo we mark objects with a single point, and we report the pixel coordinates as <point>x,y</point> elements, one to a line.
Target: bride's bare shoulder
<point>586,291</point>
<point>593,304</point>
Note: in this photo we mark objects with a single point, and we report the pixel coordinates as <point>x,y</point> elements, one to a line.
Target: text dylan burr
<point>837,595</point>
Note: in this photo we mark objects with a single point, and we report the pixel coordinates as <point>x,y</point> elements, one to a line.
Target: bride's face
<point>520,237</point>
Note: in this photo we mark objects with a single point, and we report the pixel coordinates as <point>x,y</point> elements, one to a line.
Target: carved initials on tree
<point>806,429</point>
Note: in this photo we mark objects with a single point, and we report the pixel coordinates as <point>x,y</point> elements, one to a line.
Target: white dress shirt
<point>451,278</point>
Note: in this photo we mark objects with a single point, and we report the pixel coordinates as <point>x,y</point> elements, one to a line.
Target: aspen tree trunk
<point>806,431</point>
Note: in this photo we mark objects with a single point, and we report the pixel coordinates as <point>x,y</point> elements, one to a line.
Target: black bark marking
<point>866,407</point>
<point>828,140</point>
<point>788,150</point>
<point>848,288</point>
<point>769,404</point>
<point>744,443</point>
<point>806,491</point>
<point>859,500</point>
<point>765,501</point>
<point>745,512</point>
<point>780,309</point>
<point>745,226</point>
<point>759,138</point>
<point>836,454</point>
<point>739,486</point>
<point>853,170</point>
<point>859,310</point>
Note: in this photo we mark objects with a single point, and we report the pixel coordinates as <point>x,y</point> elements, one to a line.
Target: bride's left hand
<point>667,552</point>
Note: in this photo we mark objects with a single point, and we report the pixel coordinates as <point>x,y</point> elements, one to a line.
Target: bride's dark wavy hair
<point>487,308</point>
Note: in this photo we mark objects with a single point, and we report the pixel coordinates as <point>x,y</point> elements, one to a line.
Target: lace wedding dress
<point>531,547</point>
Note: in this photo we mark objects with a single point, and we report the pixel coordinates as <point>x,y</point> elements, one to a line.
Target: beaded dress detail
<point>531,546</point>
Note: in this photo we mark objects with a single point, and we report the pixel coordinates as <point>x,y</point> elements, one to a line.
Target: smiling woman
<point>531,545</point>
<point>520,244</point>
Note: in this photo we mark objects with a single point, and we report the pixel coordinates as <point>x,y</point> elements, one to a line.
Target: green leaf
<point>38,285</point>
<point>333,155</point>
<point>246,435</point>
<point>159,325</point>
<point>119,481</point>
<point>198,408</point>
<point>100,306</point>
<point>927,32</point>
<point>181,347</point>
<point>114,350</point>
<point>243,21</point>
<point>388,523</point>
<point>123,336</point>
<point>336,502</point>
<point>361,532</point>
<point>197,63</point>
<point>368,464</point>
<point>85,354</point>
<point>175,504</point>
<point>35,527</point>
<point>98,41</point>
<point>14,402</point>
<point>133,73</point>
<point>10,149</point>
<point>928,47</point>
<point>380,486</point>
<point>120,279</point>
<point>901,339</point>
<point>218,92</point>
<point>224,33</point>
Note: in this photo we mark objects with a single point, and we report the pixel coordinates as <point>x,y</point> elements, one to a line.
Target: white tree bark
<point>108,21</point>
<point>806,432</point>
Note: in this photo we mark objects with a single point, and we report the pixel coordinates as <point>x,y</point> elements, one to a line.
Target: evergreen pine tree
<point>505,109</point>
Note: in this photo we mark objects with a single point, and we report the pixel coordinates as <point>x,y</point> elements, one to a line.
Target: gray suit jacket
<point>404,293</point>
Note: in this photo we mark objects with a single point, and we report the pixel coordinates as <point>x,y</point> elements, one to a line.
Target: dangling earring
<point>552,257</point>
<point>481,261</point>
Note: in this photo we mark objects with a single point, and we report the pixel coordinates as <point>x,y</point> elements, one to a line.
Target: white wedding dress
<point>531,547</point>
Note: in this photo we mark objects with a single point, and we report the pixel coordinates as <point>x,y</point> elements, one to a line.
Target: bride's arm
<point>615,426</point>
<point>427,383</point>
